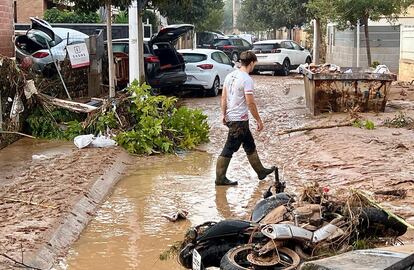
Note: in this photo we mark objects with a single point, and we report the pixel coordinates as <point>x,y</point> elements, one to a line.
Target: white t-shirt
<point>238,84</point>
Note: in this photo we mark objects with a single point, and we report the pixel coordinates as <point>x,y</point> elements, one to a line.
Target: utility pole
<point>136,41</point>
<point>110,54</point>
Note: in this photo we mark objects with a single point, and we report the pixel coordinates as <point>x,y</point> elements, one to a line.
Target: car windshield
<point>221,42</point>
<point>41,38</point>
<point>266,47</point>
<point>194,57</point>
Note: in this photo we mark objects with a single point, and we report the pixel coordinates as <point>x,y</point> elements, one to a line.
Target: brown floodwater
<point>129,231</point>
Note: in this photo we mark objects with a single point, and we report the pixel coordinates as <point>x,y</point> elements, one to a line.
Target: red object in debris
<point>205,66</point>
<point>325,189</point>
<point>40,55</point>
<point>26,63</point>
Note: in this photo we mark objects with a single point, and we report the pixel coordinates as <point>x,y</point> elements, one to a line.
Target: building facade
<point>6,28</point>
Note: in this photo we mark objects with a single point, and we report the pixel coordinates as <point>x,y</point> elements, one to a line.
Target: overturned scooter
<point>280,234</point>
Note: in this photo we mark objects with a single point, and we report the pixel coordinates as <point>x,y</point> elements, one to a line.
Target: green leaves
<point>161,127</point>
<point>55,15</point>
<point>367,124</point>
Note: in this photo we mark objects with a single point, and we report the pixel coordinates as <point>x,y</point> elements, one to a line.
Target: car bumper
<point>199,80</point>
<point>268,66</point>
<point>168,79</point>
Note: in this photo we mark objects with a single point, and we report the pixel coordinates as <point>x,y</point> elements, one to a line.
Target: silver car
<point>42,41</point>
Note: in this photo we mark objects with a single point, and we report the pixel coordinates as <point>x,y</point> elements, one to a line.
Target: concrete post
<point>110,54</point>
<point>133,41</point>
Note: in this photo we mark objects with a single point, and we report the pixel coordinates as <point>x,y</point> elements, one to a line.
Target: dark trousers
<point>239,134</point>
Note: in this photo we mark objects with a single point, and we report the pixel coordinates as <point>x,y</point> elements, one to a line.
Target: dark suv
<point>233,47</point>
<point>164,66</point>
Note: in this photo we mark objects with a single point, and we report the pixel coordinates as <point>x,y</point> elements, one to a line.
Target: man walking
<point>236,101</point>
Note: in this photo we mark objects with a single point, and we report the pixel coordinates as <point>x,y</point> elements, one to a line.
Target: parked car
<point>206,69</point>
<point>233,47</point>
<point>39,38</point>
<point>205,39</point>
<point>164,66</point>
<point>279,56</point>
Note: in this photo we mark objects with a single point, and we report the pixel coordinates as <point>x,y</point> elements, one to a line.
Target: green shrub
<point>153,124</point>
<point>55,15</point>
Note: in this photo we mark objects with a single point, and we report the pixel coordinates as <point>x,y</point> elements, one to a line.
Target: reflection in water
<point>129,231</point>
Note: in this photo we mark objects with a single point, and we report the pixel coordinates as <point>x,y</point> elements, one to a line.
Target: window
<point>245,43</point>
<point>266,47</point>
<point>221,42</point>
<point>120,48</point>
<point>296,46</point>
<point>225,59</point>
<point>216,57</point>
<point>287,45</point>
<point>42,38</point>
<point>237,42</point>
<point>193,57</point>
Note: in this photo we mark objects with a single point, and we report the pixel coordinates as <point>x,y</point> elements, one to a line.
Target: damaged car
<point>42,44</point>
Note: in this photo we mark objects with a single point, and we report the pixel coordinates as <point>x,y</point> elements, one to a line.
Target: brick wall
<point>29,8</point>
<point>6,28</point>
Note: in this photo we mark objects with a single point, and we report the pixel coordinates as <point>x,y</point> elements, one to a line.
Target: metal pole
<point>358,43</point>
<point>133,41</point>
<point>57,68</point>
<point>141,72</point>
<point>315,41</point>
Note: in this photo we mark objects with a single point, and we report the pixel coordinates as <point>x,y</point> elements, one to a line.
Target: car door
<point>219,66</point>
<point>228,67</point>
<point>300,53</point>
<point>290,50</point>
<point>247,46</point>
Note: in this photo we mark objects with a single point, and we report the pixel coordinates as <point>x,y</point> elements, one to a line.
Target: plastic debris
<point>179,215</point>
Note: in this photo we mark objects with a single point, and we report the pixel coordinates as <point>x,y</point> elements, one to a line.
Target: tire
<point>214,90</point>
<point>308,60</point>
<point>235,57</point>
<point>236,259</point>
<point>376,222</point>
<point>285,67</point>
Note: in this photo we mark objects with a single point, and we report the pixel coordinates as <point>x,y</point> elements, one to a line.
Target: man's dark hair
<point>247,57</point>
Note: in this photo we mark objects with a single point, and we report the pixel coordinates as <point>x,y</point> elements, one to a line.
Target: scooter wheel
<point>236,259</point>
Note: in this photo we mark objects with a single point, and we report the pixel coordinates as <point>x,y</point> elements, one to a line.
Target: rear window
<point>221,42</point>
<point>266,47</point>
<point>194,57</point>
<point>42,38</point>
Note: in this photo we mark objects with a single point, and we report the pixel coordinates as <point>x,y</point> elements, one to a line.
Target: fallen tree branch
<point>18,133</point>
<point>29,202</point>
<point>312,128</point>
<point>19,263</point>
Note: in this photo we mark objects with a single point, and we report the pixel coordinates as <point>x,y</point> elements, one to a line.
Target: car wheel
<point>285,67</point>
<point>214,90</point>
<point>235,57</point>
<point>308,60</point>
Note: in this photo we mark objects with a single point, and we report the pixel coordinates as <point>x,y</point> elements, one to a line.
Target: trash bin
<point>346,89</point>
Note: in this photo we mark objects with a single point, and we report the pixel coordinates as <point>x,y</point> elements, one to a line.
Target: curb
<point>78,218</point>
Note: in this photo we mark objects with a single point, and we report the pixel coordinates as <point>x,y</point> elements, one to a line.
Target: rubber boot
<point>221,169</point>
<point>261,171</point>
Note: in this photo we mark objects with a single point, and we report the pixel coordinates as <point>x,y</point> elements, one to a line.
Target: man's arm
<point>223,105</point>
<point>251,103</point>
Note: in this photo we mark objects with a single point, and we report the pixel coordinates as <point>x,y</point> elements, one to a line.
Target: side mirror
<point>302,49</point>
<point>232,63</point>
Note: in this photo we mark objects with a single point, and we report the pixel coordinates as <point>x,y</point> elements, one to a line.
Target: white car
<point>42,39</point>
<point>280,56</point>
<point>206,69</point>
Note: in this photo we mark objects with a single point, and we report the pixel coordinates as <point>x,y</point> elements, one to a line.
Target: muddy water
<point>129,231</point>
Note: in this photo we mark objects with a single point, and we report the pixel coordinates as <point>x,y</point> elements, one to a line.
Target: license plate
<point>196,260</point>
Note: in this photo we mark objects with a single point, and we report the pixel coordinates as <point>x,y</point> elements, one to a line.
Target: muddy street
<point>129,229</point>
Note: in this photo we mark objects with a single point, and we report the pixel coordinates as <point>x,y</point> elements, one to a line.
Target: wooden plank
<point>70,105</point>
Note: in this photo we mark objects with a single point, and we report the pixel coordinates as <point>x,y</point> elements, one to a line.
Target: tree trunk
<point>317,46</point>
<point>367,41</point>
<point>110,54</point>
